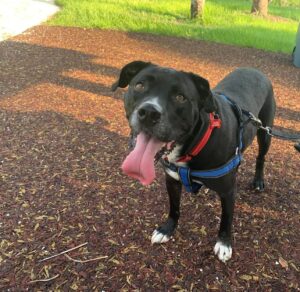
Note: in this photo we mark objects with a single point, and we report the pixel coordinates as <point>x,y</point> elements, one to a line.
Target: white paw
<point>223,251</point>
<point>158,237</point>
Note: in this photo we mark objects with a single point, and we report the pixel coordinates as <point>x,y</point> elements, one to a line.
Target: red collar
<point>214,122</point>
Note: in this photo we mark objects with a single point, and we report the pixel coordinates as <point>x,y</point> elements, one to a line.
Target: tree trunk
<point>260,7</point>
<point>197,8</point>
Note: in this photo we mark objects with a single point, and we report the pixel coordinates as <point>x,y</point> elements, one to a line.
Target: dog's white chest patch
<point>172,158</point>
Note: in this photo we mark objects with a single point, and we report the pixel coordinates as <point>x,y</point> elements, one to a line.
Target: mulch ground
<point>63,138</point>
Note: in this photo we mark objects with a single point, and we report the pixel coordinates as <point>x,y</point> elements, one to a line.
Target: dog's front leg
<point>223,247</point>
<point>164,232</point>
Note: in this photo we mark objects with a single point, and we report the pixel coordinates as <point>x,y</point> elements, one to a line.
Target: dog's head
<point>162,106</point>
<point>162,102</point>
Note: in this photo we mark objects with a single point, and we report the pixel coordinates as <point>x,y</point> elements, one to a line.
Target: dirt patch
<point>63,137</point>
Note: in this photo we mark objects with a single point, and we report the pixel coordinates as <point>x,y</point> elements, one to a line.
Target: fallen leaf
<point>284,264</point>
<point>246,277</point>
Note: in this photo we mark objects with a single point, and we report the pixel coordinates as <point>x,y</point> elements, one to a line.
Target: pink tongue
<point>139,163</point>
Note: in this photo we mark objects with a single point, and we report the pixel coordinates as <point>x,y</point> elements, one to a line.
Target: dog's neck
<point>186,147</point>
<point>197,133</point>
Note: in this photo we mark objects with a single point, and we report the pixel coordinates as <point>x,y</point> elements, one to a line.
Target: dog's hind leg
<point>164,232</point>
<point>266,115</point>
<point>264,141</point>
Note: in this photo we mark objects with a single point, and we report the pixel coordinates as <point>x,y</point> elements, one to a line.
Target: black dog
<point>170,111</point>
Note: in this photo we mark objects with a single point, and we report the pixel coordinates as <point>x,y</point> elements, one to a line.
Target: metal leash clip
<point>268,130</point>
<point>257,122</point>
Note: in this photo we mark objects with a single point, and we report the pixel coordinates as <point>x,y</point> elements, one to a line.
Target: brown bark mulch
<point>63,138</point>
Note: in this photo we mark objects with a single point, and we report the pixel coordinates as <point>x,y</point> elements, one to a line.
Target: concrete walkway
<point>18,15</point>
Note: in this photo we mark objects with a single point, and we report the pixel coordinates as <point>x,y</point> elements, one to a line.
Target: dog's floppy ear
<point>205,95</point>
<point>128,72</point>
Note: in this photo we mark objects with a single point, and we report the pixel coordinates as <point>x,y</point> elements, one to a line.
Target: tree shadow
<point>23,65</point>
<point>64,144</point>
<point>54,165</point>
<point>288,114</point>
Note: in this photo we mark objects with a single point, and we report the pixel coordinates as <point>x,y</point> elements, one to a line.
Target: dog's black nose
<point>149,115</point>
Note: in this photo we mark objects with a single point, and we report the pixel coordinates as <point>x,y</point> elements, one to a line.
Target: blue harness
<point>189,177</point>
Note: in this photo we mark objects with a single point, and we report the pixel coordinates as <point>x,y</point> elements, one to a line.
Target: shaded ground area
<point>63,137</point>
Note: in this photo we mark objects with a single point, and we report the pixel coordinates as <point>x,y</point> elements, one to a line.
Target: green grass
<point>294,3</point>
<point>224,21</point>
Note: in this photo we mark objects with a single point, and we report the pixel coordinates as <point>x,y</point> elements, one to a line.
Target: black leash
<point>271,132</point>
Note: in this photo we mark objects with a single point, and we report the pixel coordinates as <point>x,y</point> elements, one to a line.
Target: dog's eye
<point>180,98</point>
<point>139,87</point>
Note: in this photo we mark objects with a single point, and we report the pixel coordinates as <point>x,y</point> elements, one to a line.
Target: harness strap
<point>218,172</point>
<point>239,114</point>
<point>258,123</point>
<point>214,122</point>
<point>184,173</point>
<point>188,175</point>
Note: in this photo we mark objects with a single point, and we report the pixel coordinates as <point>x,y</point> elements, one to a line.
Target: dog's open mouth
<point>139,164</point>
